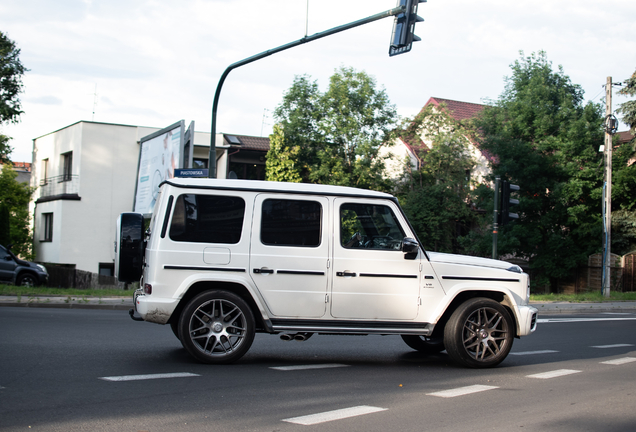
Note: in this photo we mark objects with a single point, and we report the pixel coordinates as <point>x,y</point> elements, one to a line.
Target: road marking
<point>553,374</point>
<point>148,377</point>
<point>333,415</point>
<point>612,346</point>
<point>557,320</point>
<point>461,391</point>
<point>619,361</point>
<point>533,352</point>
<point>305,367</point>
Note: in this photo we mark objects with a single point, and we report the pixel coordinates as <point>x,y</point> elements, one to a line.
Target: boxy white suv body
<point>223,259</point>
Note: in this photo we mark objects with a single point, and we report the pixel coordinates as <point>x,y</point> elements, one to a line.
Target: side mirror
<point>410,247</point>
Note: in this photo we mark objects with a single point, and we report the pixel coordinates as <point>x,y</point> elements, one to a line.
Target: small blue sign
<point>191,172</point>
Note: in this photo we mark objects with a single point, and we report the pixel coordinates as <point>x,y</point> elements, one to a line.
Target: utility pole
<point>495,222</point>
<point>607,222</point>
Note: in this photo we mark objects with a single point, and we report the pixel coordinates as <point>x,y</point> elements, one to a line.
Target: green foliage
<point>16,196</point>
<point>628,109</point>
<point>5,149</point>
<point>436,197</point>
<point>546,141</point>
<point>332,137</point>
<point>11,71</point>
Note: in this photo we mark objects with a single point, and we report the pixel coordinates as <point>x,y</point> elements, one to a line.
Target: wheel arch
<point>233,287</point>
<point>24,272</point>
<point>463,296</point>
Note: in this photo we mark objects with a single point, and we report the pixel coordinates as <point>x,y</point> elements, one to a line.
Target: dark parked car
<point>19,272</point>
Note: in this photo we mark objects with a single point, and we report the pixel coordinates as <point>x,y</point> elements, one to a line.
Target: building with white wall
<point>85,176</point>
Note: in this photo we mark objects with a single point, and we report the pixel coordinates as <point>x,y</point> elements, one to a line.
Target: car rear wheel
<point>217,327</point>
<point>423,344</point>
<point>479,333</point>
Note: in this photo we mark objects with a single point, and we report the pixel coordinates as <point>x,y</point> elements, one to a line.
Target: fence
<point>61,276</point>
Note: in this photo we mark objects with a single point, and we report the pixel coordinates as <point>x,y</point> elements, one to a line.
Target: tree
<point>546,141</point>
<point>436,197</point>
<point>16,196</point>
<point>333,137</point>
<point>628,109</point>
<point>11,71</point>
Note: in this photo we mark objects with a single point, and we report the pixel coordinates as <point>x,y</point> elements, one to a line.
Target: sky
<point>155,62</point>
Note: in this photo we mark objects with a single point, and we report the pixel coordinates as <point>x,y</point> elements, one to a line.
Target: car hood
<point>438,257</point>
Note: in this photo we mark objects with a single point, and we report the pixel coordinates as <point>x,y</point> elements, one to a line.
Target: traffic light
<point>506,202</point>
<point>402,36</point>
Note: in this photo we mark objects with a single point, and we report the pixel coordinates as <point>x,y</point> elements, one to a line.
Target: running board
<point>351,327</point>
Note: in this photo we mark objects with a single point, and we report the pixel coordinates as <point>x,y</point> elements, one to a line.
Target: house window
<point>199,163</point>
<point>47,225</point>
<point>67,166</point>
<point>45,171</point>
<point>106,269</point>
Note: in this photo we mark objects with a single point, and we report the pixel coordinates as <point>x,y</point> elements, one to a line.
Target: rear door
<point>289,259</point>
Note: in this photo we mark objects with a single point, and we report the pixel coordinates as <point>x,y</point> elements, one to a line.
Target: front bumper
<point>527,320</point>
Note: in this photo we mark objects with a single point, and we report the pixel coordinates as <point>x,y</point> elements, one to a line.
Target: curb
<point>68,306</point>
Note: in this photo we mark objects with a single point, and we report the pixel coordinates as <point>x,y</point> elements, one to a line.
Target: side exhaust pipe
<point>300,337</point>
<point>287,337</point>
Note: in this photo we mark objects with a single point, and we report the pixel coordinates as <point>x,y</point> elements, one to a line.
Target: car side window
<point>369,226</point>
<point>207,219</point>
<point>286,222</point>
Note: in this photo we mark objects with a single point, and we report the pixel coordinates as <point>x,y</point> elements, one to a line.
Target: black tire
<point>479,333</point>
<point>26,279</point>
<point>216,327</point>
<point>423,344</point>
<point>174,325</point>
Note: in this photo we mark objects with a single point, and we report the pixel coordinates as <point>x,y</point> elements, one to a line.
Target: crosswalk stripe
<point>305,367</point>
<point>149,376</point>
<point>461,391</point>
<point>620,361</point>
<point>554,374</point>
<point>333,415</point>
<point>613,346</point>
<point>533,352</point>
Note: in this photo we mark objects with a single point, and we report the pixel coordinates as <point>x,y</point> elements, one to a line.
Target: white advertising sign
<point>159,155</point>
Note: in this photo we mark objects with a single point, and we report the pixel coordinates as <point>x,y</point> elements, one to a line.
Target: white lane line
<point>333,415</point>
<point>305,367</point>
<point>562,320</point>
<point>620,361</point>
<point>553,374</point>
<point>148,377</point>
<point>534,352</point>
<point>612,346</point>
<point>461,391</point>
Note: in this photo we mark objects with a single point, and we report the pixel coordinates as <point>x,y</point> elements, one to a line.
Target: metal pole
<point>495,222</point>
<point>217,94</point>
<point>608,190</point>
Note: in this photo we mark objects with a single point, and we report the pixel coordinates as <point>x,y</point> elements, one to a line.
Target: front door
<point>372,278</point>
<point>289,256</point>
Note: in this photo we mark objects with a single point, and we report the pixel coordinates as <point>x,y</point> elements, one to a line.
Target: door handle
<point>345,274</point>
<point>263,271</point>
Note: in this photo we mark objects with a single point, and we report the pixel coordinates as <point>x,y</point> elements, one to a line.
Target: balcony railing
<point>63,185</point>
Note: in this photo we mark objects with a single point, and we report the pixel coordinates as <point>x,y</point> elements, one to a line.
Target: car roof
<point>274,187</point>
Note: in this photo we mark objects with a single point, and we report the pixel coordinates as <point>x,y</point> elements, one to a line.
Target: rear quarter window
<point>207,219</point>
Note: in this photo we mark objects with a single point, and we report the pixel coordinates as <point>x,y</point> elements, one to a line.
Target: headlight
<point>41,267</point>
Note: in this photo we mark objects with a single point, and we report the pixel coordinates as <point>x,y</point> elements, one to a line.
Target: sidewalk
<point>125,303</point>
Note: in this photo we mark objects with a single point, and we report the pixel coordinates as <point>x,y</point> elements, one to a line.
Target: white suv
<point>223,259</point>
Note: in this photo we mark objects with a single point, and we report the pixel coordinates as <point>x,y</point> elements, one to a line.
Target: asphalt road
<point>73,369</point>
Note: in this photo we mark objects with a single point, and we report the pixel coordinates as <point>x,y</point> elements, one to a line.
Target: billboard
<point>160,153</point>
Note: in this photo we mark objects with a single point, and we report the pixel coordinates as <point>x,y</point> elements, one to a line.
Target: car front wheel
<point>217,327</point>
<point>26,279</point>
<point>479,333</point>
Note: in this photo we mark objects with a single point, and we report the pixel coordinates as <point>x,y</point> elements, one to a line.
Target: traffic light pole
<point>212,154</point>
<point>495,222</point>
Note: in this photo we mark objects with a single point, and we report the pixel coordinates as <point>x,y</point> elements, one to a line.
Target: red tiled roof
<point>625,136</point>
<point>459,110</point>
<point>22,166</point>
